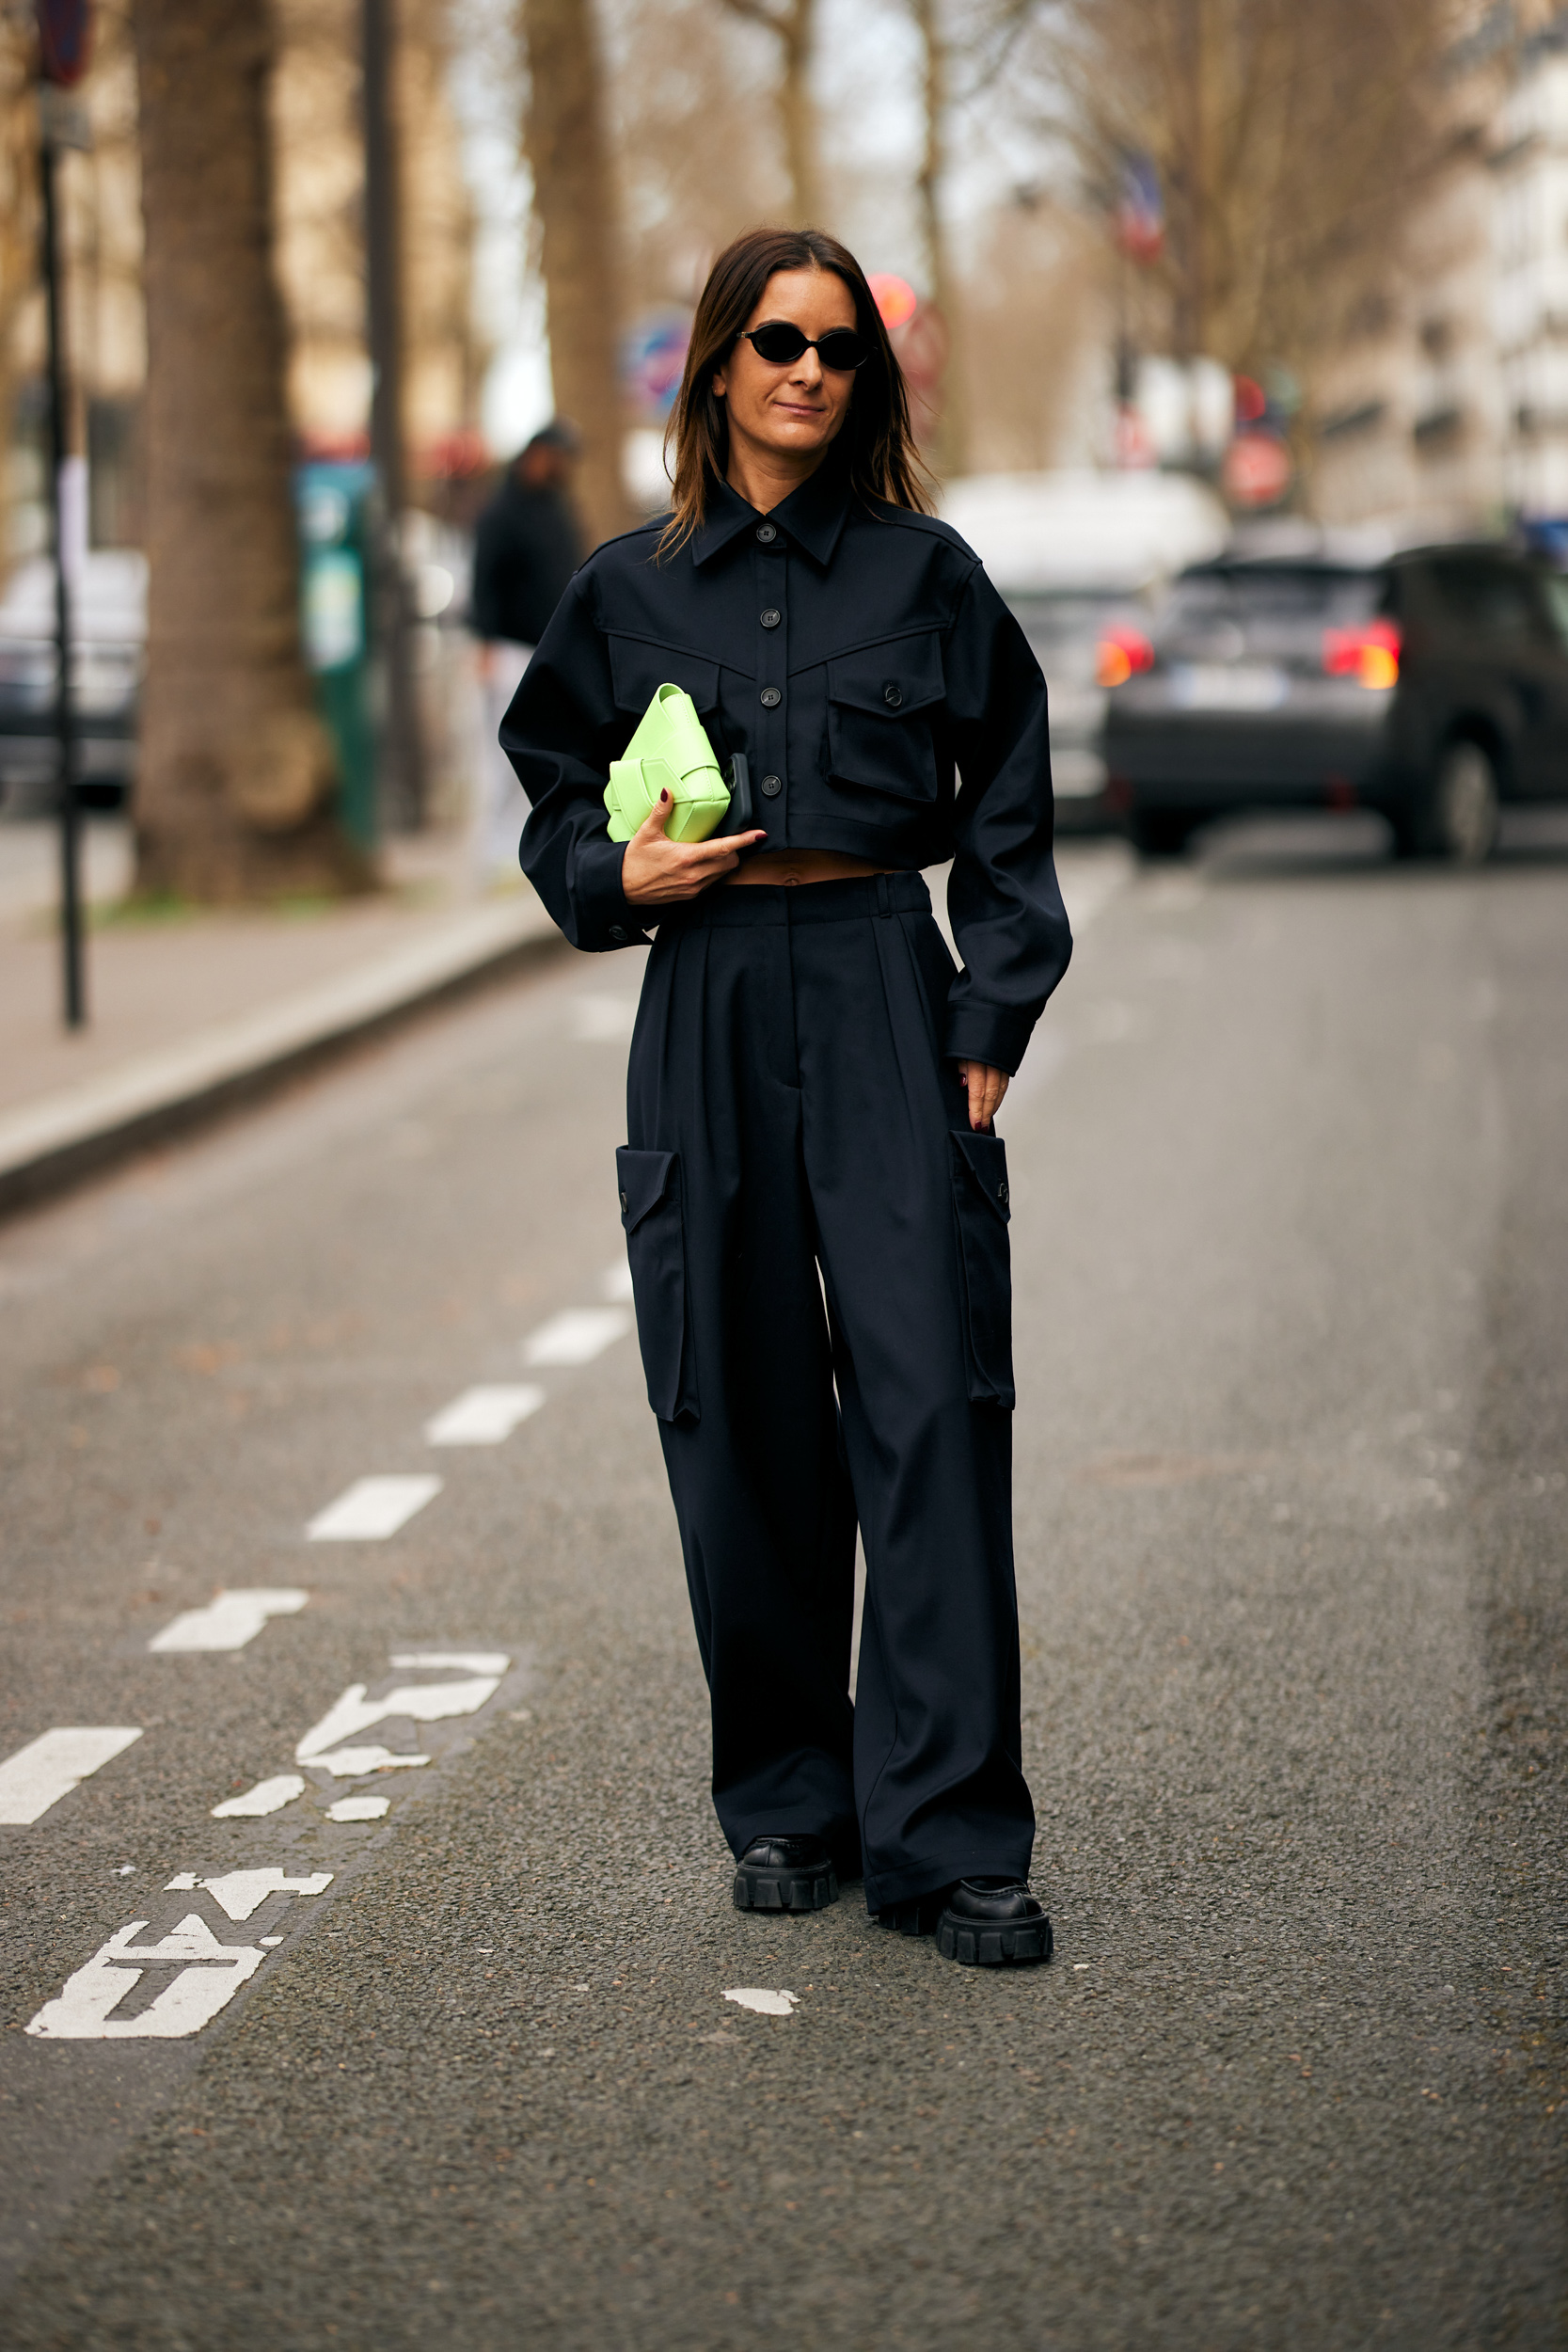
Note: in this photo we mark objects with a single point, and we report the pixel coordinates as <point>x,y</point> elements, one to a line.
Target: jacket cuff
<point>604,917</point>
<point>989,1033</point>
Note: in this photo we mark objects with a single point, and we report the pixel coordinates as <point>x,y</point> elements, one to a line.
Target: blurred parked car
<point>1077,556</point>
<point>110,627</point>
<point>1432,687</point>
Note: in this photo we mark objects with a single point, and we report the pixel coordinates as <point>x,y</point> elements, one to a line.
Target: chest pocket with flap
<point>881,702</point>
<point>638,669</point>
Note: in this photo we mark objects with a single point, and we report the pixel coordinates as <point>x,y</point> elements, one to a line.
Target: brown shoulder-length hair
<point>884,464</point>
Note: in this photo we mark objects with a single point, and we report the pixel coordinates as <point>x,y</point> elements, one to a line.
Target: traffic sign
<point>64,29</point>
<point>1257,471</point>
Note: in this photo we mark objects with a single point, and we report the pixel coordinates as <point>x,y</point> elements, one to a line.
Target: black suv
<point>1430,686</point>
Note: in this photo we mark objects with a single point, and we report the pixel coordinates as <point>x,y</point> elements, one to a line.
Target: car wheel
<point>1162,832</point>
<point>1460,819</point>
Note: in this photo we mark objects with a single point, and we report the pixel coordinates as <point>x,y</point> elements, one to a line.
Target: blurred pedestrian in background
<point>527,545</point>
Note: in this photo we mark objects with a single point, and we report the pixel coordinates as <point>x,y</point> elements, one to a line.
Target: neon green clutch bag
<point>669,752</point>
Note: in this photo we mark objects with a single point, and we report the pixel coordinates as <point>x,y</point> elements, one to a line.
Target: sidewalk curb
<point>48,1146</point>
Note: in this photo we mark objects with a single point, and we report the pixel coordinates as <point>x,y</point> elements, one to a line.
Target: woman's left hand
<point>985,1089</point>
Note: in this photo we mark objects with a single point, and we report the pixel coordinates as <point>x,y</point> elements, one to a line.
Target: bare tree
<point>793,26</point>
<point>573,203</point>
<point>950,446</point>
<point>237,771</point>
<point>1291,144</point>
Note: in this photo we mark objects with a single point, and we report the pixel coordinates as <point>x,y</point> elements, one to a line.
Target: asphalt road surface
<point>446,2052</point>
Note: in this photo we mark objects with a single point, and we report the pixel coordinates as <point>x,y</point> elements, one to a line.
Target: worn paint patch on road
<point>373,1509</point>
<point>268,1796</point>
<point>358,1808</point>
<point>576,1336</point>
<point>57,1761</point>
<point>327,1744</point>
<point>484,1416</point>
<point>766,2003</point>
<point>230,1621</point>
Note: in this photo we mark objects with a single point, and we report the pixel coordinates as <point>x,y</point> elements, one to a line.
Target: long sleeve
<point>560,732</point>
<point>1003,896</point>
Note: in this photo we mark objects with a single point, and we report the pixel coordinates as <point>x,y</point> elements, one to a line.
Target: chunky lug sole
<point>984,1944</point>
<point>794,1886</point>
<point>917,1918</point>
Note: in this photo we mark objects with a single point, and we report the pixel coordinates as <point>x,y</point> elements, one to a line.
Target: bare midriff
<point>803,866</point>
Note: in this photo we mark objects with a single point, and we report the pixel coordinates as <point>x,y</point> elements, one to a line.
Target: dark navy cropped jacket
<point>886,700</point>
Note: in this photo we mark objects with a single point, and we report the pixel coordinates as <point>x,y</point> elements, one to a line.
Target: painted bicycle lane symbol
<point>166,1979</point>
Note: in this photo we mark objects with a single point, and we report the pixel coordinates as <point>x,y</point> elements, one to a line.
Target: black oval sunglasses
<point>779,344</point>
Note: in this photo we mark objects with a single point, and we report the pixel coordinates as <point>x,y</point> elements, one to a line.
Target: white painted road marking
<point>84,2010</point>
<point>766,2003</point>
<point>473,1661</point>
<point>484,1415</point>
<point>230,1621</point>
<point>615,1282</point>
<point>603,1020</point>
<point>242,1893</point>
<point>268,1796</point>
<point>51,1766</point>
<point>358,1808</point>
<point>576,1336</point>
<point>373,1508</point>
<point>420,1702</point>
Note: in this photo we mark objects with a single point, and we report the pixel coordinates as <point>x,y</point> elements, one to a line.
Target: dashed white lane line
<point>576,1336</point>
<point>603,1020</point>
<point>51,1766</point>
<point>371,1509</point>
<point>230,1621</point>
<point>484,1416</point>
<point>767,2004</point>
<point>268,1796</point>
<point>358,1808</point>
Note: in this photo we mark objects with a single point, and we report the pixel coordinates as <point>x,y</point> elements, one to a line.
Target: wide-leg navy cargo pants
<point>788,1111</point>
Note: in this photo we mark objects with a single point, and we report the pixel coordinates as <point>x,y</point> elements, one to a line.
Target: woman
<point>812,1089</point>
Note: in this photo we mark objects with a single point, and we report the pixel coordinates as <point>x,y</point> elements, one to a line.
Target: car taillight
<point>1370,654</point>
<point>1121,653</point>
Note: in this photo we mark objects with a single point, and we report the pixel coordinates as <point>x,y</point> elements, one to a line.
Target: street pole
<point>74,991</point>
<point>402,746</point>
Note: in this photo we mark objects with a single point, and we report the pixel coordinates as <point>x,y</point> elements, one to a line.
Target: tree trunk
<point>950,444</point>
<point>793,26</point>
<point>573,203</point>
<point>236,771</point>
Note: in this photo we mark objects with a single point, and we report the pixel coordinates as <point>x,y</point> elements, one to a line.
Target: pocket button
<point>893,695</point>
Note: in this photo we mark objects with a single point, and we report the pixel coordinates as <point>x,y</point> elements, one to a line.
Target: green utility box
<point>333,501</point>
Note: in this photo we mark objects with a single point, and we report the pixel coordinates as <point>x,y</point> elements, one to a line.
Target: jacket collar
<point>812,516</point>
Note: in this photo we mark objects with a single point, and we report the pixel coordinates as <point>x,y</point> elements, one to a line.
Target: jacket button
<point>771,697</point>
<point>626,1204</point>
<point>617,933</point>
<point>893,695</point>
<point>772,787</point>
<point>766,533</point>
<point>772,619</point>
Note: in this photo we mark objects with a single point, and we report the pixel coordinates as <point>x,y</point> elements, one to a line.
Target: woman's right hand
<point>657,872</point>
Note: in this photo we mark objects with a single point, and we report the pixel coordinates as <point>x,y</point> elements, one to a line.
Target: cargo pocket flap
<point>653,1213</point>
<point>983,1159</point>
<point>644,1179</point>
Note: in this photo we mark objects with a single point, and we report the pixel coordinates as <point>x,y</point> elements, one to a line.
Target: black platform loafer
<point>988,1923</point>
<point>786,1873</point>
